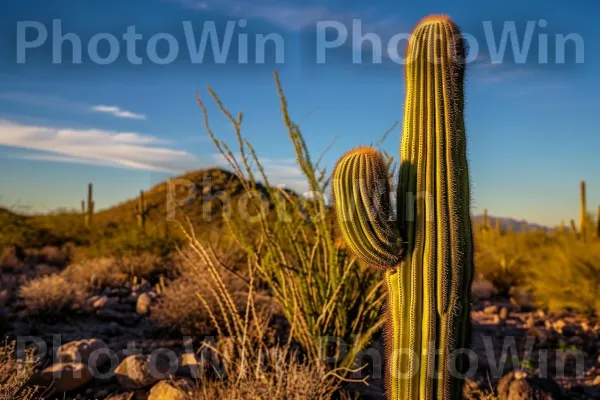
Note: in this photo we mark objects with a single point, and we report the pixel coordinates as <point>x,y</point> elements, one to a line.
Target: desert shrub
<point>282,377</point>
<point>14,374</point>
<point>98,273</point>
<point>506,259</point>
<point>320,288</point>
<point>255,362</point>
<point>187,302</point>
<point>95,273</point>
<point>567,276</point>
<point>50,296</point>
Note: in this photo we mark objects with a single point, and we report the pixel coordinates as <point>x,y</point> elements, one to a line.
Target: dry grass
<point>506,259</point>
<point>14,375</point>
<point>115,272</point>
<point>567,276</point>
<point>282,377</point>
<point>256,365</point>
<point>50,296</point>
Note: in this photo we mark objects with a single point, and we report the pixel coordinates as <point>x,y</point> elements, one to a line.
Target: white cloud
<point>98,147</point>
<point>117,112</point>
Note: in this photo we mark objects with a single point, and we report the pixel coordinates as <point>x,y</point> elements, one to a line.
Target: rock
<point>142,305</point>
<point>92,352</point>
<point>490,310</point>
<point>5,296</point>
<point>575,341</point>
<point>518,385</point>
<point>105,302</point>
<point>64,377</point>
<point>522,299</point>
<point>135,372</point>
<point>181,389</point>
<point>503,313</point>
<point>189,365</point>
<point>12,258</point>
<point>482,289</point>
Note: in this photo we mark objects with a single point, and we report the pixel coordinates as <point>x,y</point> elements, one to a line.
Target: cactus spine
<point>88,214</point>
<point>427,254</point>
<point>582,212</point>
<point>141,211</point>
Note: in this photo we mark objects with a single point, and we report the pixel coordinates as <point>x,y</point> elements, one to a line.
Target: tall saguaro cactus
<point>582,212</point>
<point>141,211</point>
<point>427,253</point>
<point>89,212</point>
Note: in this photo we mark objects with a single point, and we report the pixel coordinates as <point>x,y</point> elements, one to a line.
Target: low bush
<point>567,276</point>
<point>51,296</point>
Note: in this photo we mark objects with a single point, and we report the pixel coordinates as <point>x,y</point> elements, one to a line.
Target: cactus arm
<point>361,196</point>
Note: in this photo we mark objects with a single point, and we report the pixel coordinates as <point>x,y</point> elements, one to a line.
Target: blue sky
<point>532,128</point>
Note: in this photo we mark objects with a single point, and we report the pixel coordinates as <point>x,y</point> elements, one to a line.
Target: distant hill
<point>511,223</point>
<point>206,192</point>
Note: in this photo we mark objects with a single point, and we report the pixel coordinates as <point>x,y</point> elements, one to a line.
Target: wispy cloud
<point>486,71</point>
<point>117,112</point>
<point>56,102</point>
<point>283,13</point>
<point>97,147</point>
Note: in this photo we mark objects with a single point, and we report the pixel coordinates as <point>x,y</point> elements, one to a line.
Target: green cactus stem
<point>427,252</point>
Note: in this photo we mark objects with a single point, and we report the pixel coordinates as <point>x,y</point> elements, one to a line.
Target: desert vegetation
<point>288,301</point>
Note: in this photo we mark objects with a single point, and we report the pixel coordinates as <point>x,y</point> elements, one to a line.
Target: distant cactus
<point>427,254</point>
<point>485,218</point>
<point>573,227</point>
<point>498,226</point>
<point>141,211</point>
<point>88,214</point>
<point>582,213</point>
<point>598,223</point>
<point>524,227</point>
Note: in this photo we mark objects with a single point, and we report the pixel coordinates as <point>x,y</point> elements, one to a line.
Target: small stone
<point>490,310</point>
<point>575,341</point>
<point>142,306</point>
<point>181,389</point>
<point>91,352</point>
<point>105,302</point>
<point>503,313</point>
<point>596,381</point>
<point>135,372</point>
<point>64,377</point>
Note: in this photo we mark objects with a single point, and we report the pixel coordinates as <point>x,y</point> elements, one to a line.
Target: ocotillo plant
<point>582,212</point>
<point>141,211</point>
<point>427,252</point>
<point>89,212</point>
